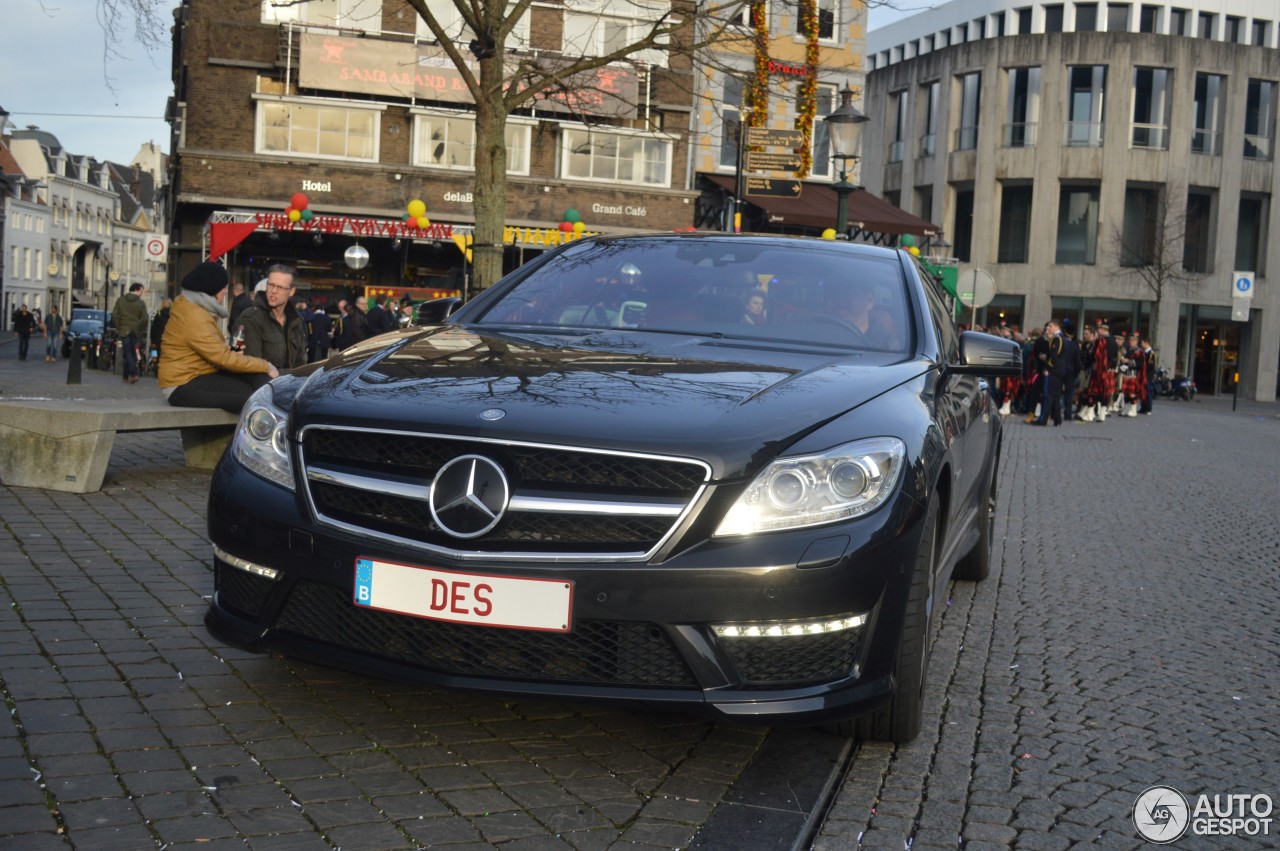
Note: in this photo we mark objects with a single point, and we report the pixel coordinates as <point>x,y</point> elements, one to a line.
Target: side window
<point>942,315</point>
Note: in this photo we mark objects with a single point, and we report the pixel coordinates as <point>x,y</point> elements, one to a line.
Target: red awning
<point>816,208</point>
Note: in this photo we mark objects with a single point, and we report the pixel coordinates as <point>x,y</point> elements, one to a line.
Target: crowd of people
<point>1087,379</point>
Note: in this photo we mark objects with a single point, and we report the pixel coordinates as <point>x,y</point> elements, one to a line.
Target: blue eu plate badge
<point>364,582</point>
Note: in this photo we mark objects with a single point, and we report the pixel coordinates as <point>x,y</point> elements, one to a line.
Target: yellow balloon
<point>423,221</point>
<point>417,209</point>
<point>578,228</point>
<point>913,251</point>
<point>829,233</point>
<point>295,215</point>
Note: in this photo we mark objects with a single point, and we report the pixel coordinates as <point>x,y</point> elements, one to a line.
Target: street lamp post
<point>844,127</point>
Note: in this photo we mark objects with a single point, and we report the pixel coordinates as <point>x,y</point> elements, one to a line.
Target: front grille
<point>584,503</point>
<point>593,653</point>
<point>793,660</point>
<point>240,592</point>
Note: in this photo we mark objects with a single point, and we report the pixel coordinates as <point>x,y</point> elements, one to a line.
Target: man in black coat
<point>273,330</point>
<point>1051,363</point>
<point>380,319</point>
<point>320,328</point>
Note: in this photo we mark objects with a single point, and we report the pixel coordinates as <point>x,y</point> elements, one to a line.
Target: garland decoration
<point>807,103</point>
<point>758,101</point>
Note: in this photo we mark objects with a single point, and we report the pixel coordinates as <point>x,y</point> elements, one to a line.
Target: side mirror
<point>987,354</point>
<point>437,310</point>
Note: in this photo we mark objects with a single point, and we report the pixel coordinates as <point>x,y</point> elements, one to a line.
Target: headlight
<point>848,481</point>
<point>261,443</point>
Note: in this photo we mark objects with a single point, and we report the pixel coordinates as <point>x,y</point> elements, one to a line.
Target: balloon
<point>907,240</point>
<point>405,217</point>
<point>423,221</point>
<point>417,209</point>
<point>579,227</point>
<point>299,201</point>
<point>294,215</point>
<point>571,215</point>
<point>913,251</point>
<point>567,227</point>
<point>829,233</point>
<point>307,215</point>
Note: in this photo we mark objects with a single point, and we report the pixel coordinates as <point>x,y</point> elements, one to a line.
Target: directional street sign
<point>769,187</point>
<point>781,138</point>
<point>763,161</point>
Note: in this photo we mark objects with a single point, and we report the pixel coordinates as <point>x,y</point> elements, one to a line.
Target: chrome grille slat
<point>568,503</point>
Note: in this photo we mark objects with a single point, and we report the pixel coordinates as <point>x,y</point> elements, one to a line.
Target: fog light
<point>245,565</point>
<point>789,628</point>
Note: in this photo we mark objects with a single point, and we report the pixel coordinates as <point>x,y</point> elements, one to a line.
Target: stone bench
<point>64,445</point>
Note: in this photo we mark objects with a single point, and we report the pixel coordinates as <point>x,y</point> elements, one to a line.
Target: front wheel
<point>976,565</point>
<point>899,720</point>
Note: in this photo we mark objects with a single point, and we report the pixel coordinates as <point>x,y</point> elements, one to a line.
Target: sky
<point>52,68</point>
<point>56,75</point>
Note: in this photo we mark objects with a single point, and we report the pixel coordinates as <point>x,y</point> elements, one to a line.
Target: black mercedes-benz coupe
<point>728,474</point>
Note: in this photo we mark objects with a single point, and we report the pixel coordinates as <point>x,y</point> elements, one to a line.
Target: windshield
<point>801,291</point>
<point>84,326</point>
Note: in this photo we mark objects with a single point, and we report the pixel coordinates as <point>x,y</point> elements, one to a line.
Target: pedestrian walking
<point>130,316</point>
<point>24,325</point>
<point>54,329</point>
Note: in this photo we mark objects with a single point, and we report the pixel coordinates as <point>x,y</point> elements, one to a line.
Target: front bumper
<point>641,633</point>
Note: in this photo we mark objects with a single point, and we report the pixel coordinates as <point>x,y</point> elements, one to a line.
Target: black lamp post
<point>844,127</point>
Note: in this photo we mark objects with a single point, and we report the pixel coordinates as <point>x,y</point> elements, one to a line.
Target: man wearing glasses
<point>272,328</point>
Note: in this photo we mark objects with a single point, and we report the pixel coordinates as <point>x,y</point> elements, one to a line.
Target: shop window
<point>318,130</point>
<point>1077,226</point>
<point>593,154</point>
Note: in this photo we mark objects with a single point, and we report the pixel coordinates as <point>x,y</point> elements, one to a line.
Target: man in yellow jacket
<point>197,368</point>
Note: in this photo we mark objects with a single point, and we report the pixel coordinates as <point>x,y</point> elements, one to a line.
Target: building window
<point>1178,21</point>
<point>599,27</point>
<point>1117,18</point>
<point>978,29</point>
<point>1086,17</point>
<point>1053,19</point>
<point>970,92</point>
<point>594,154</point>
<point>924,202</point>
<point>944,38</point>
<point>1015,224</point>
<point>1024,20</point>
<point>827,20</point>
<point>899,109</point>
<point>1149,19</point>
<point>929,139</point>
<point>1206,25</point>
<point>1197,243</point>
<point>1086,85</point>
<point>448,16</point>
<point>731,122</point>
<point>1077,226</point>
<point>1140,233</point>
<point>328,131</point>
<point>826,104</point>
<point>962,226</point>
<point>999,22</point>
<point>1151,108</point>
<point>1259,119</point>
<point>1231,29</point>
<point>1261,33</point>
<point>352,14</point>
<point>1024,107</point>
<point>1251,227</point>
<point>448,141</point>
<point>1210,98</point>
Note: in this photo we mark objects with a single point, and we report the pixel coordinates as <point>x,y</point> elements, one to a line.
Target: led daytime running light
<point>784,629</point>
<point>244,564</point>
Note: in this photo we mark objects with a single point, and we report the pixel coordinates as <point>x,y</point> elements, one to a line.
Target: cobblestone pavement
<point>1127,637</point>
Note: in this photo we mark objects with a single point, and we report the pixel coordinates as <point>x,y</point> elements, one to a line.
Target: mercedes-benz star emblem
<point>492,414</point>
<point>468,496</point>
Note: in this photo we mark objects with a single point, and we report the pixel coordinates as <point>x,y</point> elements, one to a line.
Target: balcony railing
<point>896,150</point>
<point>928,145</point>
<point>1154,136</point>
<point>1021,135</point>
<point>1083,134</point>
<point>1257,147</point>
<point>967,138</point>
<point>1206,142</point>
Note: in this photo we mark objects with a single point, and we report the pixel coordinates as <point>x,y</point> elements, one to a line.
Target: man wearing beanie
<point>197,369</point>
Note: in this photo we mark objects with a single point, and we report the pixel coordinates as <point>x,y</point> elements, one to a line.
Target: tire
<point>899,720</point>
<point>975,566</point>
<point>107,359</point>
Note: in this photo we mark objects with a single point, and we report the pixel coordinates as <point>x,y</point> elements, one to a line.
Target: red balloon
<point>566,226</point>
<point>299,201</point>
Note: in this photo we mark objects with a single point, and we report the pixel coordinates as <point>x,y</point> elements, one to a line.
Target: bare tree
<point>1149,248</point>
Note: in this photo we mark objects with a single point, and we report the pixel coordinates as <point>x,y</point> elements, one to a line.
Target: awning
<point>816,208</point>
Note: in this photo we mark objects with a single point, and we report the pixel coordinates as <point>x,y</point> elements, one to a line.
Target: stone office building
<point>354,105</point>
<point>1101,160</point>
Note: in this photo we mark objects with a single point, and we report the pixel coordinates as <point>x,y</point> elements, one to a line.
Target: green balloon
<point>571,215</point>
<point>907,240</point>
<point>307,215</point>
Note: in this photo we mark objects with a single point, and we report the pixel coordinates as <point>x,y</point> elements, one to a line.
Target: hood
<point>715,399</point>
